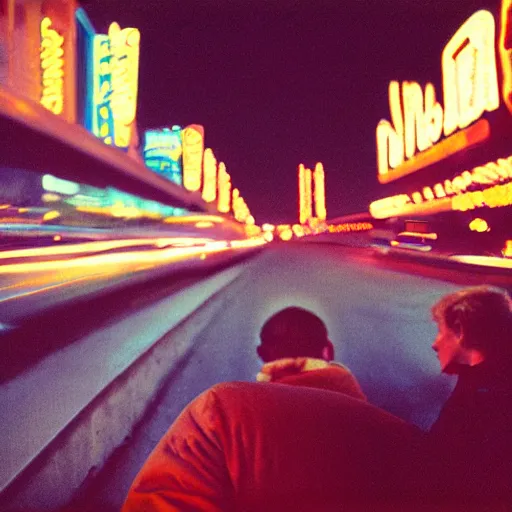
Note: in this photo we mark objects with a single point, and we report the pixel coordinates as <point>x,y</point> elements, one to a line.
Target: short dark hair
<point>295,332</point>
<point>485,315</point>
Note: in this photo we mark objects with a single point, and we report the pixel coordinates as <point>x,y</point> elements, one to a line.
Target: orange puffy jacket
<point>271,447</point>
<point>311,373</point>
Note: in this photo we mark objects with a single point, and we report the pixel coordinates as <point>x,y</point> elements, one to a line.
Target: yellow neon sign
<point>124,47</point>
<point>209,176</point>
<point>319,180</point>
<point>418,121</point>
<point>470,81</point>
<point>193,148</point>
<point>224,184</point>
<point>302,194</point>
<point>452,194</point>
<point>308,189</point>
<point>349,227</point>
<point>52,66</point>
<point>240,209</point>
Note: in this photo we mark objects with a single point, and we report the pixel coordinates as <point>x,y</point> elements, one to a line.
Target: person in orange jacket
<point>302,439</point>
<point>296,350</point>
<point>247,447</point>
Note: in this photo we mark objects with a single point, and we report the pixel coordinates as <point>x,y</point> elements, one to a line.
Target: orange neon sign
<point>349,227</point>
<point>418,121</point>
<point>52,66</point>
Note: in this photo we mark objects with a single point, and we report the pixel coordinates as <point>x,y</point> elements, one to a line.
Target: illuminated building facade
<point>444,153</point>
<point>37,52</point>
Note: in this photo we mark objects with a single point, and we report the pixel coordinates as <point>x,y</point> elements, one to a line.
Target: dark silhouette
<point>472,439</point>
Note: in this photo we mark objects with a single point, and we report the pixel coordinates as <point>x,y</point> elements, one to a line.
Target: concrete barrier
<point>63,418</point>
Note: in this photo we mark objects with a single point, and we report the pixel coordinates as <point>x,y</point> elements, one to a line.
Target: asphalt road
<point>378,315</point>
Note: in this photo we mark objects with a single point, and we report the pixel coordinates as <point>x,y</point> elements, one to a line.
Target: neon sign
<point>308,189</point>
<point>162,152</point>
<point>52,66</point>
<point>305,188</point>
<point>453,194</point>
<point>349,227</point>
<point>240,209</point>
<point>124,46</point>
<point>505,50</point>
<point>193,148</point>
<point>319,180</point>
<point>209,176</point>
<point>102,116</point>
<point>470,87</point>
<point>224,184</point>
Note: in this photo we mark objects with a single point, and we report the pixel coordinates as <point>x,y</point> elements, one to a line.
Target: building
<point>444,151</point>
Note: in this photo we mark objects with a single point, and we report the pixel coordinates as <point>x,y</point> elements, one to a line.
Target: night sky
<point>280,82</point>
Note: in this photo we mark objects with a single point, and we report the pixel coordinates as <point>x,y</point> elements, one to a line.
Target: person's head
<point>294,332</point>
<point>474,326</point>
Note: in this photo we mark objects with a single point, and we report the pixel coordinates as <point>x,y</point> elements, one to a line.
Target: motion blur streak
<point>151,257</point>
<point>89,247</point>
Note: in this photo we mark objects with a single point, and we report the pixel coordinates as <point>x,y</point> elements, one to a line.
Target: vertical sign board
<point>162,153</point>
<point>319,191</point>
<point>209,193</point>
<point>102,115</point>
<point>302,194</point>
<point>193,149</point>
<point>224,185</point>
<point>124,48</point>
<point>308,189</point>
<point>57,36</point>
<point>52,67</point>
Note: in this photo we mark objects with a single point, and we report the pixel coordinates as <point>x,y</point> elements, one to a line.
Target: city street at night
<point>381,330</point>
<point>255,256</point>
